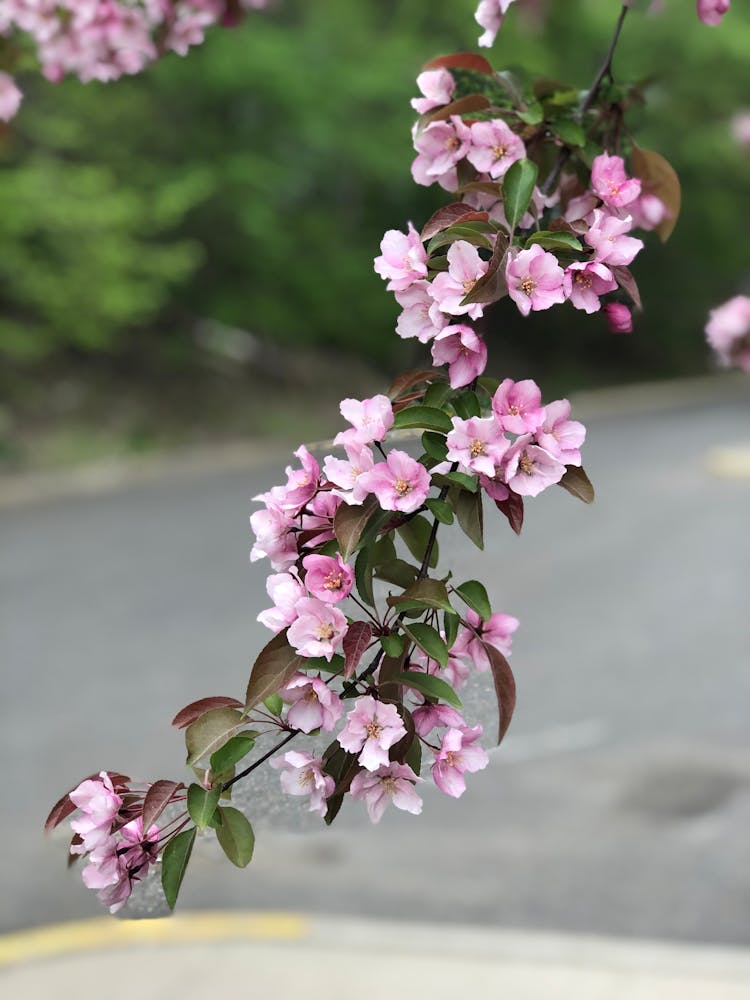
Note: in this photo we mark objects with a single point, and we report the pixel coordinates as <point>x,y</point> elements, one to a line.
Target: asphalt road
<point>620,802</point>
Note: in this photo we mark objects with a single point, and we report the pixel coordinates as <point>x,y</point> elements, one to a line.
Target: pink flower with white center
<point>440,147</point>
<point>497,631</point>
<point>477,444</point>
<point>346,474</point>
<point>319,629</point>
<point>437,86</point>
<point>370,418</point>
<point>535,280</point>
<point>393,783</point>
<point>585,281</point>
<point>314,704</point>
<point>403,260</point>
<point>490,15</point>
<point>728,332</point>
<point>418,318</point>
<point>449,288</point>
<point>302,774</point>
<point>286,591</point>
<point>611,183</point>
<point>494,147</point>
<point>10,97</point>
<point>607,237</point>
<point>560,437</point>
<point>712,11</point>
<point>463,351</point>
<point>372,728</point>
<point>518,406</point>
<point>99,803</point>
<point>428,717</point>
<point>457,755</point>
<point>648,212</point>
<point>529,469</point>
<point>399,483</point>
<point>328,578</point>
<point>619,317</point>
<point>273,538</point>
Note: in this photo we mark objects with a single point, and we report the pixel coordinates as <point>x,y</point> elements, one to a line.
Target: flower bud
<point>618,317</point>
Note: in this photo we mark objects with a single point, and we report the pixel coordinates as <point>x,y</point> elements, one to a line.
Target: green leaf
<point>392,644</point>
<point>433,687</point>
<point>450,627</point>
<point>467,405</point>
<point>397,571</point>
<point>363,575</point>
<point>211,731</point>
<point>470,516</point>
<point>468,233</point>
<point>441,510</point>
<point>422,416</point>
<point>235,749</point>
<point>274,704</point>
<point>474,594</point>
<point>569,131</point>
<point>577,483</point>
<point>436,394</point>
<point>533,115</point>
<point>413,756</point>
<point>416,535</point>
<point>428,640</point>
<point>275,664</point>
<point>435,446</point>
<point>555,241</point>
<point>322,665</point>
<point>174,863</point>
<point>460,479</point>
<point>518,186</point>
<point>235,836</point>
<point>349,523</point>
<point>202,803</point>
<point>427,593</point>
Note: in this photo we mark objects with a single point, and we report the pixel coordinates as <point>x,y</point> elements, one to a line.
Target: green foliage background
<point>252,181</point>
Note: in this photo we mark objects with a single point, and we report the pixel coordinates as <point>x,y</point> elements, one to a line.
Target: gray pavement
<point>620,802</point>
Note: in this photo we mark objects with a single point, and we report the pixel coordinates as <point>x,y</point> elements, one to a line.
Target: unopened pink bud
<point>619,317</point>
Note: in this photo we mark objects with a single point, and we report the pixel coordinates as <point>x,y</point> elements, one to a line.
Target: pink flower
<point>490,15</point>
<point>494,487</point>
<point>314,704</point>
<point>437,86</point>
<point>712,11</point>
<point>518,406</point>
<point>611,183</point>
<point>403,260</point>
<point>285,590</point>
<point>399,483</point>
<point>302,774</point>
<point>372,728</point>
<point>463,351</point>
<point>619,317</point>
<point>529,469</point>
<point>449,288</point>
<point>328,578</point>
<point>494,147</point>
<point>728,332</point>
<point>607,237</point>
<point>581,207</point>
<point>370,418</point>
<point>319,629</point>
<point>418,318</point>
<point>346,475</point>
<point>322,508</point>
<point>585,281</point>
<point>560,437</point>
<point>10,97</point>
<point>440,147</point>
<point>273,538</point>
<point>392,783</point>
<point>103,866</point>
<point>497,631</point>
<point>740,125</point>
<point>456,756</point>
<point>300,487</point>
<point>478,445</point>
<point>99,804</point>
<point>648,212</point>
<point>428,717</point>
<point>535,280</point>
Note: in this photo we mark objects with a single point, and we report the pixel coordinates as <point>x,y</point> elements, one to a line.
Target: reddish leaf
<point>195,709</point>
<point>157,798</point>
<point>484,187</point>
<point>356,641</point>
<point>275,664</point>
<point>409,379</point>
<point>513,510</point>
<point>405,401</point>
<point>460,60</point>
<point>350,521</point>
<point>505,688</point>
<point>626,281</point>
<point>75,841</point>
<point>660,178</point>
<point>492,285</point>
<point>451,215</point>
<point>578,484</point>
<point>472,102</point>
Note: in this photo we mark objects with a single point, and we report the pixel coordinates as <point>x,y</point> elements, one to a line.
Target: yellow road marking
<point>104,933</point>
<point>731,462</point>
